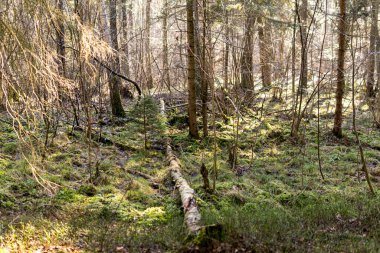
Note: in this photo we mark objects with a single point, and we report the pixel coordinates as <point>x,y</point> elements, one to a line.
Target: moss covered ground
<point>274,200</point>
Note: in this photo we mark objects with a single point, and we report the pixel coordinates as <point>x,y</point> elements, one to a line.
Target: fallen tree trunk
<point>189,204</point>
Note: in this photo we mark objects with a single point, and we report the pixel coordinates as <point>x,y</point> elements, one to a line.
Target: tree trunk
<point>304,42</point>
<point>124,89</point>
<point>104,22</point>
<point>294,56</point>
<point>376,110</point>
<point>198,49</point>
<point>302,88</point>
<point>191,75</point>
<point>148,60</point>
<point>337,130</point>
<point>372,51</point>
<point>114,81</point>
<point>226,51</point>
<point>60,36</point>
<point>205,71</point>
<point>131,28</point>
<point>2,95</point>
<point>265,53</point>
<point>247,56</point>
<point>61,43</point>
<point>377,63</point>
<point>125,45</point>
<point>165,59</point>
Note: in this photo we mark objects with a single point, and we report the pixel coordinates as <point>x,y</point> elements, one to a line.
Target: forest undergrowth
<point>125,201</point>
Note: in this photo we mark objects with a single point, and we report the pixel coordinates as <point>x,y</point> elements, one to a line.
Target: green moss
<point>136,196</point>
<point>266,209</point>
<point>351,157</point>
<point>236,197</point>
<point>65,195</point>
<point>276,187</point>
<point>10,148</point>
<point>284,197</point>
<point>60,157</point>
<point>88,190</point>
<point>4,164</point>
<point>69,174</point>
<point>152,216</point>
<point>370,153</point>
<point>26,188</point>
<point>304,199</point>
<point>108,189</point>
<point>6,199</point>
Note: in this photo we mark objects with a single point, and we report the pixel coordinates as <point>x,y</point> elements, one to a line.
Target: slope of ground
<point>274,200</point>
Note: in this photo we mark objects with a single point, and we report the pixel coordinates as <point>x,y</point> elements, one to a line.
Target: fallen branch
<point>140,174</point>
<point>280,111</point>
<point>119,75</point>
<point>95,136</point>
<point>153,184</point>
<point>113,72</point>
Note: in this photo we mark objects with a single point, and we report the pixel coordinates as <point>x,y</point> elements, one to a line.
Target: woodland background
<point>189,126</point>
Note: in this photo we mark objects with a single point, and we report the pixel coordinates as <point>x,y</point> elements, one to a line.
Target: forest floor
<point>274,200</point>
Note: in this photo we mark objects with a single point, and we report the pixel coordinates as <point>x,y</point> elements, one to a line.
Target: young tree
<point>301,13</point>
